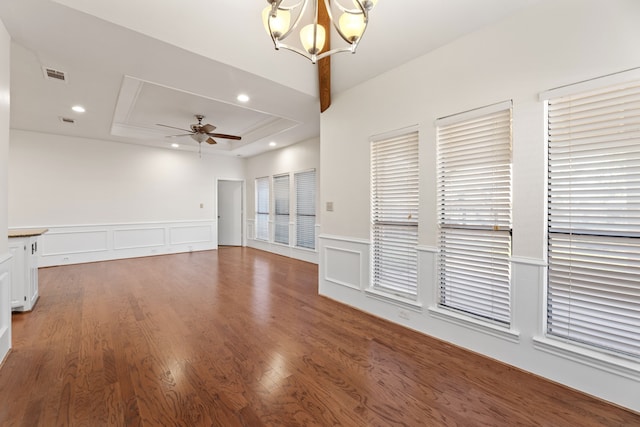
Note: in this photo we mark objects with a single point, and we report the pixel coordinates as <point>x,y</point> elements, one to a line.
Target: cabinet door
<point>17,273</point>
<point>32,274</point>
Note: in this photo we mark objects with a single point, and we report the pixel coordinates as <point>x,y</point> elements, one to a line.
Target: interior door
<point>229,213</point>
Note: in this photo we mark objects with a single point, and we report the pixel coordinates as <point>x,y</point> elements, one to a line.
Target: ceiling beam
<point>324,65</point>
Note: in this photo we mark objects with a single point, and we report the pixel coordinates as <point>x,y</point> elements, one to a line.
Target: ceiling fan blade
<point>208,128</point>
<point>182,134</point>
<point>225,136</point>
<point>172,127</point>
<point>211,141</point>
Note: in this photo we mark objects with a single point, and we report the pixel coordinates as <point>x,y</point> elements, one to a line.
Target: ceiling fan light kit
<point>201,133</point>
<point>350,25</point>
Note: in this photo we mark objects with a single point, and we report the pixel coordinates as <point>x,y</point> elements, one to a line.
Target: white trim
<point>113,224</point>
<point>591,84</point>
<point>102,234</point>
<point>327,249</point>
<point>614,365</point>
<point>394,299</point>
<point>475,324</point>
<point>117,246</point>
<point>529,261</point>
<point>428,249</point>
<point>476,112</point>
<point>344,239</point>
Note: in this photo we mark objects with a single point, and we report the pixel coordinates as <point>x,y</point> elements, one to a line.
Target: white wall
<point>555,43</point>
<point>291,159</point>
<point>91,193</point>
<point>5,43</point>
<point>5,259</point>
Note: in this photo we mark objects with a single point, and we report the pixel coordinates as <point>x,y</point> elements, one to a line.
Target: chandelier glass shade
<point>350,24</point>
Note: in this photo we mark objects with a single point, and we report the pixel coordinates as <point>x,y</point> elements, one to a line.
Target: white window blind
<point>594,218</point>
<point>474,209</point>
<point>281,208</point>
<point>394,210</point>
<point>262,208</point>
<point>305,183</point>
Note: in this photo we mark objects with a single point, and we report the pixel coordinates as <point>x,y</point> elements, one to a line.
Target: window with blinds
<point>474,212</point>
<point>281,208</point>
<point>305,183</point>
<point>394,214</point>
<point>594,218</point>
<point>262,208</point>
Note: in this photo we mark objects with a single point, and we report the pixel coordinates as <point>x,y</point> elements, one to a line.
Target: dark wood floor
<point>239,337</point>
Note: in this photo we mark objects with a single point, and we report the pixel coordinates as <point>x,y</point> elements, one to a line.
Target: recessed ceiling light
<point>243,97</point>
<point>78,109</point>
<point>272,144</point>
<point>174,145</point>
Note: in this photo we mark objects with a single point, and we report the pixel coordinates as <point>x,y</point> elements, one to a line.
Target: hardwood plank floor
<point>239,337</point>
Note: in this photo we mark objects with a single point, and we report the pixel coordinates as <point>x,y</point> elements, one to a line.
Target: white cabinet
<point>24,271</point>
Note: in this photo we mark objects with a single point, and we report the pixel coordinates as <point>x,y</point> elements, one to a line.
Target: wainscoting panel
<point>343,266</point>
<point>251,229</point>
<point>132,238</point>
<point>344,262</point>
<point>190,234</point>
<point>73,244</point>
<point>5,305</point>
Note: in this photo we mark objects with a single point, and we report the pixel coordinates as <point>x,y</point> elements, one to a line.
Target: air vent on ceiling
<point>52,74</point>
<point>67,120</point>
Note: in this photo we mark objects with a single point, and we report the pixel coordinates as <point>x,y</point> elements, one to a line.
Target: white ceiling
<point>136,63</point>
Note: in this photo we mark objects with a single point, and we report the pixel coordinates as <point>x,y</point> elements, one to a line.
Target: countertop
<point>27,232</point>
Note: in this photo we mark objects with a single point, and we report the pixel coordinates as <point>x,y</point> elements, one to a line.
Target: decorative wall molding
<point>535,262</point>
<point>185,234</point>
<point>73,244</point>
<point>428,249</point>
<point>131,238</point>
<point>344,261</point>
<point>611,364</point>
<point>337,262</point>
<point>475,324</point>
<point>345,239</point>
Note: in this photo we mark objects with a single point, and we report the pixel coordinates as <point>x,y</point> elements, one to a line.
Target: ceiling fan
<point>200,132</point>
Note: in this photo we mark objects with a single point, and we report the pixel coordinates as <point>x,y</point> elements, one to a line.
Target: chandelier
<point>351,24</point>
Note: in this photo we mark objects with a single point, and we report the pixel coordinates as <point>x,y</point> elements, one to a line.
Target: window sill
<point>394,299</point>
<point>619,365</point>
<point>502,332</point>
